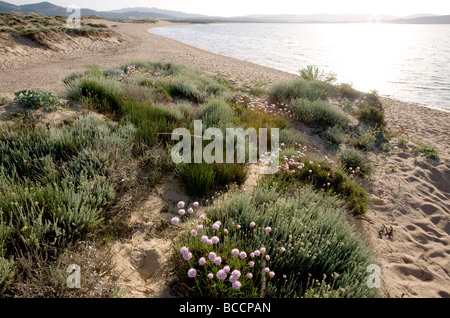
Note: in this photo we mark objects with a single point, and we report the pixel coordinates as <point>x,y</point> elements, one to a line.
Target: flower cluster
<point>183,213</point>
<point>256,104</point>
<point>383,195</point>
<point>214,261</point>
<point>132,72</point>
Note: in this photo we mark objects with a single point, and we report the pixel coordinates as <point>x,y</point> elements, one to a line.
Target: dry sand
<point>415,261</point>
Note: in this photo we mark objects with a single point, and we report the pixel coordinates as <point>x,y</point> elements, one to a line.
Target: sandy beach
<point>414,263</point>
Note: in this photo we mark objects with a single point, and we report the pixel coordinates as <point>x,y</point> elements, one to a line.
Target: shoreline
<point>413,264</point>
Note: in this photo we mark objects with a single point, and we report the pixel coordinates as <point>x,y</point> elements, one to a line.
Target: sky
<point>244,7</point>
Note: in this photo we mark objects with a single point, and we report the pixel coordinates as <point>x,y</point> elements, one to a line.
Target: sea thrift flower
<point>215,240</point>
<point>187,256</point>
<point>200,227</point>
<point>221,275</point>
<point>235,252</point>
<point>267,269</point>
<point>202,261</point>
<point>192,273</point>
<point>190,210</point>
<point>212,256</point>
<point>201,217</point>
<point>175,221</point>
<point>210,276</point>
<point>267,258</point>
<point>193,232</point>
<point>249,275</point>
<point>252,224</point>
<point>251,264</point>
<point>195,204</point>
<point>271,274</point>
<point>227,269</point>
<point>236,285</point>
<point>204,239</point>
<point>238,227</point>
<point>268,229</point>
<point>181,212</point>
<point>218,260</point>
<point>263,250</point>
<point>236,273</point>
<point>252,255</point>
<point>225,231</point>
<point>257,253</point>
<point>282,250</point>
<point>180,204</point>
<point>233,279</point>
<point>209,242</point>
<point>243,255</point>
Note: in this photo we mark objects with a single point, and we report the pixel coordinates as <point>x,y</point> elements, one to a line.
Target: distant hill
<point>49,9</point>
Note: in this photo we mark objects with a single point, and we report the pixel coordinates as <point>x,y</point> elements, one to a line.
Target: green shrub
<point>366,139</point>
<point>352,159</point>
<point>312,73</point>
<point>35,99</point>
<point>217,113</point>
<point>318,113</point>
<point>290,137</point>
<point>319,244</point>
<point>284,92</point>
<point>347,91</point>
<point>6,273</point>
<point>371,115</point>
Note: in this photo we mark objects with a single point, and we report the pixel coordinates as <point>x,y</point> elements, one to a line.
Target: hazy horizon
<point>240,8</point>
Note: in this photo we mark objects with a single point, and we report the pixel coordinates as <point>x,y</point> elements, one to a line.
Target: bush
<point>35,99</point>
<point>318,113</point>
<point>318,245</point>
<point>354,159</point>
<point>335,135</point>
<point>7,272</point>
<point>217,113</point>
<point>290,137</point>
<point>366,138</point>
<point>284,92</point>
<point>312,73</point>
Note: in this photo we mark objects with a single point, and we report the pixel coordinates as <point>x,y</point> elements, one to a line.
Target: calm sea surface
<point>407,62</point>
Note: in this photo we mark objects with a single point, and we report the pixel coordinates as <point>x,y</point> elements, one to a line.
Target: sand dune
<point>415,261</point>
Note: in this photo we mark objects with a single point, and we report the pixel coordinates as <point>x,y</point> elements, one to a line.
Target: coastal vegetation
<point>72,182</point>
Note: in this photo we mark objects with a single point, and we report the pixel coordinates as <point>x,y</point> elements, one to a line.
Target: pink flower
<point>282,250</point>
<point>272,274</point>
<point>175,221</point>
<point>263,250</point>
<point>184,250</point>
<point>267,258</point>
<point>236,285</point>
<point>192,273</point>
<point>238,227</point>
<point>201,217</point>
<point>216,226</point>
<point>181,212</point>
<point>209,242</point>
<point>235,252</point>
<point>200,227</point>
<point>252,255</point>
<point>249,275</point>
<point>180,204</point>
<point>195,204</point>
<point>225,231</point>
<point>218,260</point>
<point>215,240</point>
<point>257,253</point>
<point>267,269</point>
<point>202,261</point>
<point>221,275</point>
<point>251,264</point>
<point>227,269</point>
<point>210,276</point>
<point>204,239</point>
<point>212,256</point>
<point>193,232</point>
<point>268,229</point>
<point>243,255</point>
<point>252,224</point>
<point>190,210</point>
